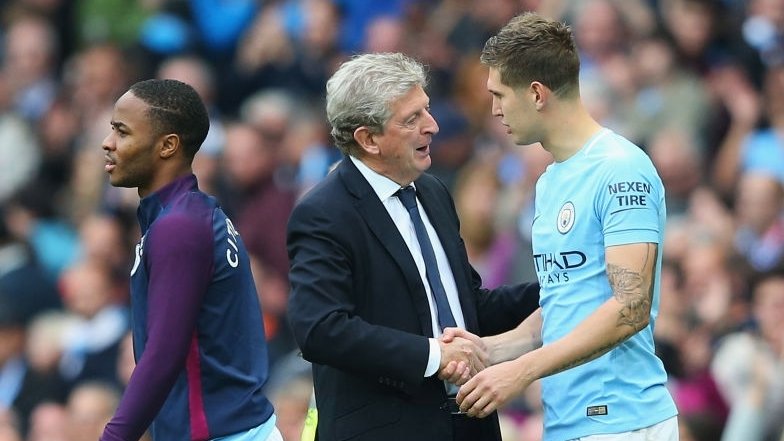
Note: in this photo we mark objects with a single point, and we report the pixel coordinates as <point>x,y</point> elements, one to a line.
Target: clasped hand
<point>463,355</point>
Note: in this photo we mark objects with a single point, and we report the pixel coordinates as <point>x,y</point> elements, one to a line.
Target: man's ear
<point>170,144</point>
<point>540,94</point>
<point>366,139</point>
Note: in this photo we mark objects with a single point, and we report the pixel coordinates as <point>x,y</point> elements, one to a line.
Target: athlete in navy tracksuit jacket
<point>197,328</point>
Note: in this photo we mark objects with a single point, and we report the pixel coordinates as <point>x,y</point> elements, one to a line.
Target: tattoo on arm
<point>588,357</point>
<point>629,288</point>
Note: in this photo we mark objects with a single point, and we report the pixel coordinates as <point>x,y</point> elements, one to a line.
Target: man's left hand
<point>490,389</point>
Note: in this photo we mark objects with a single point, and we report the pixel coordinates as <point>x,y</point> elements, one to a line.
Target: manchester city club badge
<point>566,218</point>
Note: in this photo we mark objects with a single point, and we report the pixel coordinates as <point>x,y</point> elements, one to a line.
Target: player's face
<point>516,111</point>
<point>130,146</point>
<point>404,147</point>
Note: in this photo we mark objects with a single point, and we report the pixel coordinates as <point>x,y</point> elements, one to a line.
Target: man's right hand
<point>461,359</point>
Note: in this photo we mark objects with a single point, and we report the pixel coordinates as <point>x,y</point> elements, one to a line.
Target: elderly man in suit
<point>378,271</point>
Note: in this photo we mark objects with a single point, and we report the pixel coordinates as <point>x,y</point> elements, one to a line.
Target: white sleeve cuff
<point>434,359</point>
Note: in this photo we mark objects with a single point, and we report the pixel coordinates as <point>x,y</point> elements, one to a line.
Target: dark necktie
<point>407,196</point>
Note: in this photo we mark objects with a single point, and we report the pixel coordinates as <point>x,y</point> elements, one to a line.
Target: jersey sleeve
<point>180,266</point>
<point>630,201</point>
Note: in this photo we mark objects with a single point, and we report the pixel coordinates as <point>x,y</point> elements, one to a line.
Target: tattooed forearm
<point>588,357</point>
<point>632,285</point>
<point>634,291</point>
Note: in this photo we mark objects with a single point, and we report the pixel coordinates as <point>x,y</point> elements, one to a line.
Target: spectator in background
<point>601,33</point>
<point>748,146</point>
<point>91,343</point>
<point>49,422</point>
<point>490,248</point>
<point>679,160</point>
<point>454,146</point>
<point>251,193</point>
<point>20,156</point>
<point>44,345</point>
<point>759,211</point>
<point>103,239</point>
<point>290,46</point>
<point>694,29</point>
<point>90,406</point>
<point>668,96</point>
<point>22,388</point>
<point>34,217</point>
<point>58,131</point>
<point>749,367</point>
<point>710,281</point>
<point>31,56</point>
<point>22,277</point>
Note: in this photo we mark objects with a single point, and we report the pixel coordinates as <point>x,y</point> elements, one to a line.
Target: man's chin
<point>424,163</point>
<point>117,182</point>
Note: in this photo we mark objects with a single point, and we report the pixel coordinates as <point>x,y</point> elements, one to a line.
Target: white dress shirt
<point>385,188</point>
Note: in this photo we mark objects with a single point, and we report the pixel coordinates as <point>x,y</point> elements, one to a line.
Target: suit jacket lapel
<point>380,223</point>
<point>441,217</point>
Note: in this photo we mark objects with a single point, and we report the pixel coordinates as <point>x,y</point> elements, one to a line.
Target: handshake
<point>463,355</point>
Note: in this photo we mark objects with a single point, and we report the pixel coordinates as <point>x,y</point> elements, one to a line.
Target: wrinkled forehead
<point>415,99</point>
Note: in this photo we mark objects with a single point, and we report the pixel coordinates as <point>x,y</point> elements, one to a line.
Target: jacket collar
<point>153,205</point>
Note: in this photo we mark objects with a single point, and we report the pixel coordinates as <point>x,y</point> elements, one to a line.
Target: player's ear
<point>539,94</point>
<point>169,145</point>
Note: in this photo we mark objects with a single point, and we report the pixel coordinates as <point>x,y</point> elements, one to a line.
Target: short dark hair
<point>533,48</point>
<point>175,107</point>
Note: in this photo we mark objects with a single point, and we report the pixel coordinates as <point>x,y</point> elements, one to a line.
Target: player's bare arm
<point>630,271</point>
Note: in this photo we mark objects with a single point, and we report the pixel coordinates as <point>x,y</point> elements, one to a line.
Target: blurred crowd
<point>698,84</point>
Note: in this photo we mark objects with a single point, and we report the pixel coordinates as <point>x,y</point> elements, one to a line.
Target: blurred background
<point>698,84</point>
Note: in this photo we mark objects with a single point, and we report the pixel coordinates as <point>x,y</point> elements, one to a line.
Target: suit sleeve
<point>323,305</point>
<point>503,308</point>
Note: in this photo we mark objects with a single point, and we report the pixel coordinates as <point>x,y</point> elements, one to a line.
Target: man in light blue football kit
<point>597,235</point>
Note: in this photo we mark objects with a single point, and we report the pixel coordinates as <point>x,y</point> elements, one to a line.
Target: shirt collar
<point>384,187</point>
<point>152,205</point>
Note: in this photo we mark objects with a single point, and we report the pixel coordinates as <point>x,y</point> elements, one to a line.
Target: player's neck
<point>570,129</point>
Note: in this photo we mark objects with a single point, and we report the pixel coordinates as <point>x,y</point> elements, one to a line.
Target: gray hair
<point>361,91</point>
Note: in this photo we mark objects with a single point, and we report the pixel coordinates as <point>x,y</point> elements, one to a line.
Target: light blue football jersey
<point>607,194</point>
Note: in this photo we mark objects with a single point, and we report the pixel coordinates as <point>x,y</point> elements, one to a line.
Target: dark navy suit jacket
<point>359,310</point>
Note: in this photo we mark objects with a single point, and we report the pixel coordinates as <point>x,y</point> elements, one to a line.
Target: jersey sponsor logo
<point>138,255</point>
<point>629,195</point>
<point>554,268</point>
<point>566,218</point>
<point>232,252</point>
